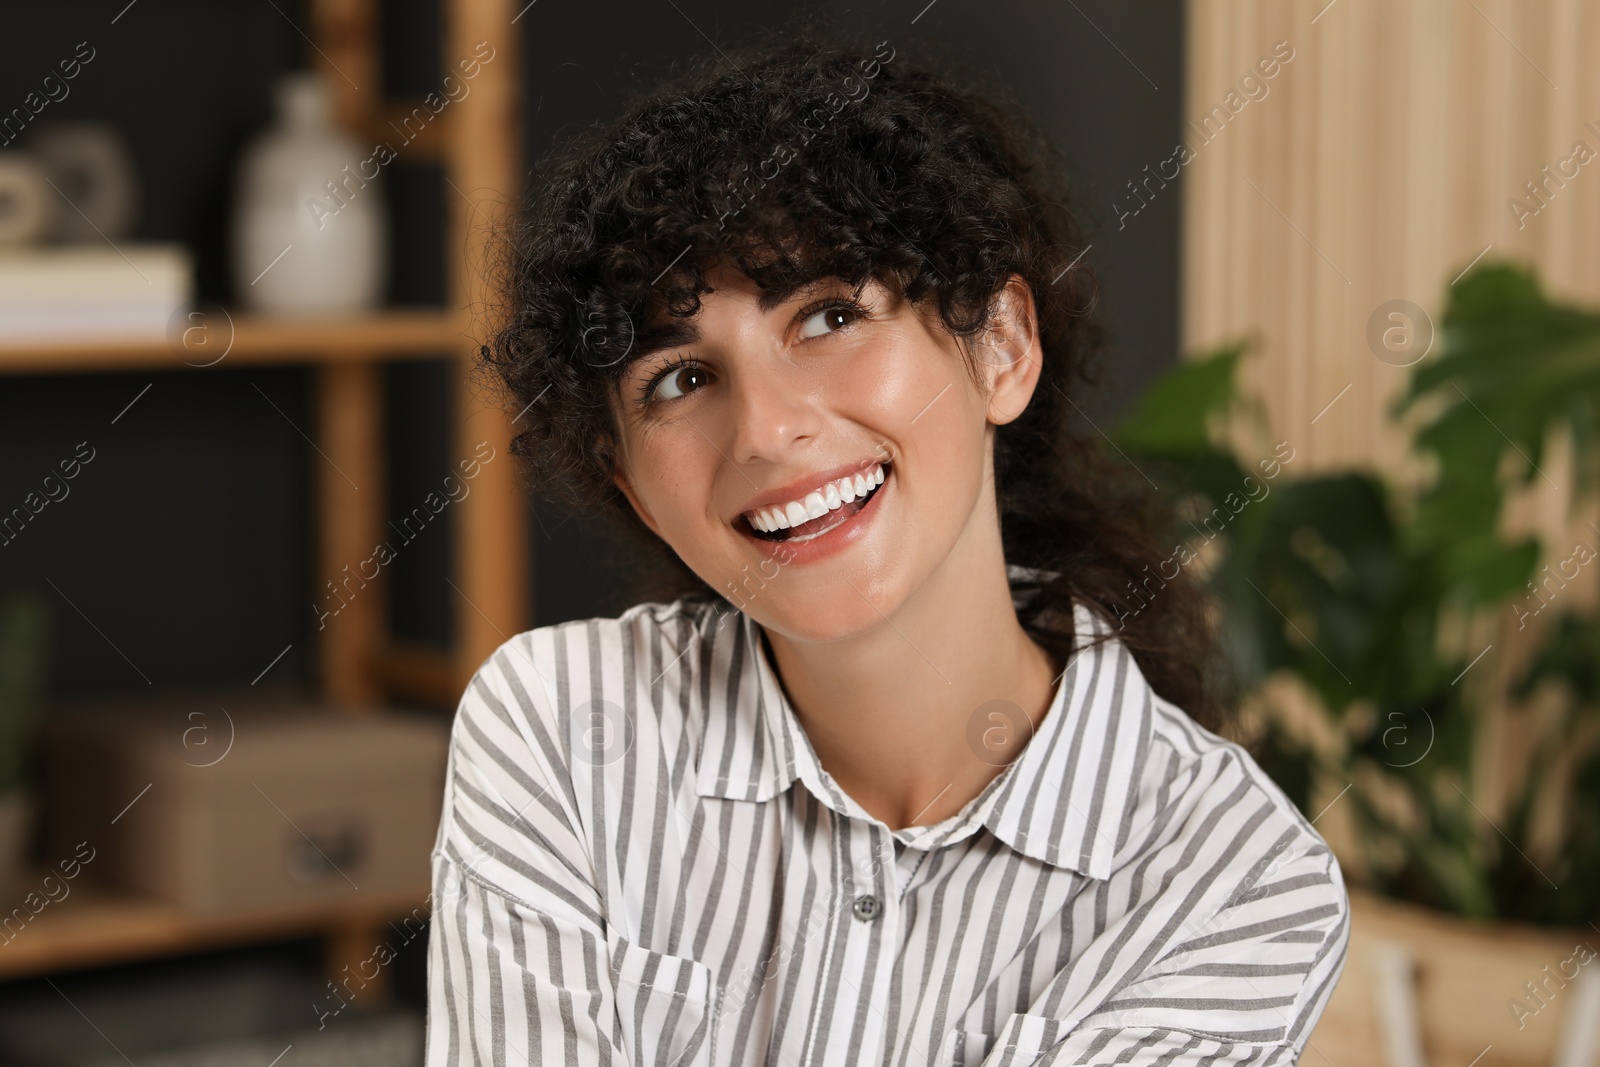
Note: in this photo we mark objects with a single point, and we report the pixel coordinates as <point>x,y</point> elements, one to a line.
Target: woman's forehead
<point>732,286</point>
<point>727,280</point>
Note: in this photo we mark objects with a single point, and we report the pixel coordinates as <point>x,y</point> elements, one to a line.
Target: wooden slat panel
<point>1391,144</point>
<point>1386,155</point>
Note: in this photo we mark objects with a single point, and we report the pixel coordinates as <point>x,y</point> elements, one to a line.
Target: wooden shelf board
<point>95,926</point>
<point>399,334</point>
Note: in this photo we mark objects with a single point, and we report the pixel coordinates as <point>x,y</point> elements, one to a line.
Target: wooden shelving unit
<point>94,926</point>
<point>359,664</point>
<point>229,340</point>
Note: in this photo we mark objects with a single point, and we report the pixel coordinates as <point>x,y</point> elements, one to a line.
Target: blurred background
<point>256,529</point>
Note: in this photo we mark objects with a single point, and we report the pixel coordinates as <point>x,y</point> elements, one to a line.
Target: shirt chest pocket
<point>1021,1041</point>
<point>667,1006</point>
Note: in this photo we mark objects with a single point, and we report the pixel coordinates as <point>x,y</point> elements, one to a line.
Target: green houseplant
<point>1376,598</point>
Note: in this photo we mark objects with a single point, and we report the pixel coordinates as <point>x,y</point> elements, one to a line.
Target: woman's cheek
<point>885,378</point>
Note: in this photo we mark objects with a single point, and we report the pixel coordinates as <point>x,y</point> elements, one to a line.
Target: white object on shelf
<point>310,224</point>
<point>90,164</point>
<point>127,292</point>
<point>27,204</point>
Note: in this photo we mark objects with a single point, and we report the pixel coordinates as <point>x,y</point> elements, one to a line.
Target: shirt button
<point>866,907</point>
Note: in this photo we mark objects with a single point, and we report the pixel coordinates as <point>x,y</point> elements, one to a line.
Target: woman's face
<point>769,409</point>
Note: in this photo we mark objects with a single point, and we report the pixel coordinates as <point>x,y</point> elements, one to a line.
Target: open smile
<point>823,519</point>
<point>818,511</point>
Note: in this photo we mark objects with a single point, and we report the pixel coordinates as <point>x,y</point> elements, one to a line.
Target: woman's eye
<point>671,385</point>
<point>827,320</point>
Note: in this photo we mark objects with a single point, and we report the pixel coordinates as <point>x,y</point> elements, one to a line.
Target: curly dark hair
<point>797,161</point>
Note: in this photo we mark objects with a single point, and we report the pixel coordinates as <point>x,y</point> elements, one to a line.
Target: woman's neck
<point>897,714</point>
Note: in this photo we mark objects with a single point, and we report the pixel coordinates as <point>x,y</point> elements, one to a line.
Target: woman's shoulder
<point>1207,759</point>
<point>1213,788</point>
<point>641,620</point>
<point>579,668</point>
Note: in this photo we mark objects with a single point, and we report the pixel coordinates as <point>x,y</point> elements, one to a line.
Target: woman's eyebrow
<point>770,299</point>
<point>678,333</point>
<point>672,335</point>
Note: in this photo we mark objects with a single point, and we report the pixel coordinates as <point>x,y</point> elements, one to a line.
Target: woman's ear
<point>1009,354</point>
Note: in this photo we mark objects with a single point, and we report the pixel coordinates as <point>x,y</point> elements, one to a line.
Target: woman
<point>888,778</point>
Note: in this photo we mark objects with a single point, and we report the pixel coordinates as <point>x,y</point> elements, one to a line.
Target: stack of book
<point>82,292</point>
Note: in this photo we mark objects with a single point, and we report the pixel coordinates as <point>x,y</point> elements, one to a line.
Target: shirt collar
<point>1065,800</point>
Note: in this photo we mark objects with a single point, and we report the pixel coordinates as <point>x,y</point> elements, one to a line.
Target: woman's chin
<point>823,619</point>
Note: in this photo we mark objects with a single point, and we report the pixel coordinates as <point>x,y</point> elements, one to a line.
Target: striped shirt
<point>642,861</point>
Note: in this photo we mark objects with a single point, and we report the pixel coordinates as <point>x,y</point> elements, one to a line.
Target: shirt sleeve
<point>1244,987</point>
<point>518,963</point>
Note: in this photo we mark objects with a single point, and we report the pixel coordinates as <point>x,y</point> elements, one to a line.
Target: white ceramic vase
<point>310,224</point>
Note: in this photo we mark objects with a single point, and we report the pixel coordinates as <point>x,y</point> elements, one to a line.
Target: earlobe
<point>621,482</point>
<point>618,462</point>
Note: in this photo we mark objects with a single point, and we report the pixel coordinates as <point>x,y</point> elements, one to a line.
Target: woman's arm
<point>519,964</point>
<point>526,962</point>
<point>510,984</point>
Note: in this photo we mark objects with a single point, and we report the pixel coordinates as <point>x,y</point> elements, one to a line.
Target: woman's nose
<point>772,409</point>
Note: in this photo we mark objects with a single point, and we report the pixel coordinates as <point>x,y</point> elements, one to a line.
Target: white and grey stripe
<point>627,872</point>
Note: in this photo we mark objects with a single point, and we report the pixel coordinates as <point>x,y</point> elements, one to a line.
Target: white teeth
<point>816,503</point>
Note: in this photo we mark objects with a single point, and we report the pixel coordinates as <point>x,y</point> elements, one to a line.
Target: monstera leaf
<point>1170,427</point>
<point>1514,368</point>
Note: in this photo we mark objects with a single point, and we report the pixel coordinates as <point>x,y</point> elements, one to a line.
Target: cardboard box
<point>231,804</point>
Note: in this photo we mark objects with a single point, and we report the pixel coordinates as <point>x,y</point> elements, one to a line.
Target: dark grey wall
<point>183,547</point>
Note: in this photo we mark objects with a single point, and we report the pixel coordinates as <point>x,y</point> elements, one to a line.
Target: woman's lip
<point>836,539</point>
<point>798,489</point>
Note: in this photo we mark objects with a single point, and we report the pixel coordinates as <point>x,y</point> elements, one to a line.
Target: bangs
<point>785,180</point>
<point>667,305</point>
